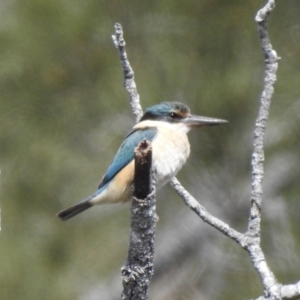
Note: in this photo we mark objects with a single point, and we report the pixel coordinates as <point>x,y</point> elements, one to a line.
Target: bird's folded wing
<point>126,152</point>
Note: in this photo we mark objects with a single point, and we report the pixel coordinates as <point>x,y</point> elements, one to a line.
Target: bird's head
<point>178,114</point>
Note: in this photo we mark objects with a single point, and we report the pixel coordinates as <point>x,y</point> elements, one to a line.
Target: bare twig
<point>271,65</point>
<point>270,284</point>
<point>129,82</point>
<point>290,291</point>
<point>194,205</point>
<point>138,269</point>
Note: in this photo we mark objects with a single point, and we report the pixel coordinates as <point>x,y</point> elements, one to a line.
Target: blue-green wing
<point>126,152</point>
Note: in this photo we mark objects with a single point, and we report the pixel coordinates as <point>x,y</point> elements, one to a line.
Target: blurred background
<point>64,112</point>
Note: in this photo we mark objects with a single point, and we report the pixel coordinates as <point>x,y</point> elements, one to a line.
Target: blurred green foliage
<point>64,112</point>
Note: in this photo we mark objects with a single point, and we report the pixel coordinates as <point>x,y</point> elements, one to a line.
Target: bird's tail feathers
<point>75,209</point>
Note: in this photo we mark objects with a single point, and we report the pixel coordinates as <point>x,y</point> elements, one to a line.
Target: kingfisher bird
<point>166,126</point>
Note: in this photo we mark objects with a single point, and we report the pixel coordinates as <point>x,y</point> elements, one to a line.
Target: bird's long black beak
<point>196,121</point>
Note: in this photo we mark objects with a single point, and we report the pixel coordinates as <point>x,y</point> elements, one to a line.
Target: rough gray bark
<point>138,269</point>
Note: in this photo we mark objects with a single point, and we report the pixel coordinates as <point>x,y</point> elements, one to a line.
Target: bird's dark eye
<point>172,115</point>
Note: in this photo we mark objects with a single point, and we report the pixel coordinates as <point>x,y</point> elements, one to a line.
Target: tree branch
<point>129,82</point>
<point>138,269</point>
<point>194,205</point>
<point>271,65</point>
<point>271,287</point>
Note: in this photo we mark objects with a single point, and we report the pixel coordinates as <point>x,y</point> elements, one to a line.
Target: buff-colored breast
<point>171,150</point>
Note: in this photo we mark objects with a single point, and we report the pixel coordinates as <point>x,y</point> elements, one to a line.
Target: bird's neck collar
<point>183,128</point>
